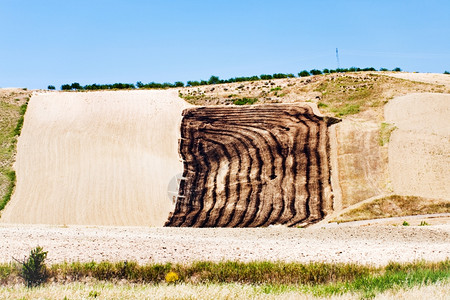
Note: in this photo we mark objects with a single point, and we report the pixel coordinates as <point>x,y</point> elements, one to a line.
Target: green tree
<point>315,72</point>
<point>214,80</point>
<point>34,271</point>
<point>304,73</point>
<point>76,86</point>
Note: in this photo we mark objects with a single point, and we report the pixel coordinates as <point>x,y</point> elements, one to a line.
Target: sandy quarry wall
<point>361,162</point>
<point>102,158</point>
<point>253,166</point>
<point>419,149</point>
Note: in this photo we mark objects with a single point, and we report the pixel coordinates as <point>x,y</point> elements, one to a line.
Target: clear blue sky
<point>98,41</point>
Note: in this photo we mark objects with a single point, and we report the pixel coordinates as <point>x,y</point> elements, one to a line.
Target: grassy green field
<point>226,279</point>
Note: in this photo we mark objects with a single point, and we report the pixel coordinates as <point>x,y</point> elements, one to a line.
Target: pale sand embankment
<point>97,158</point>
<point>443,79</point>
<point>419,149</point>
<point>365,245</point>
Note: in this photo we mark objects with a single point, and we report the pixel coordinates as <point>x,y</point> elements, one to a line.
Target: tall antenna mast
<point>337,58</point>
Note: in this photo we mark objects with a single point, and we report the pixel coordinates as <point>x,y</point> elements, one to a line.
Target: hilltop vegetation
<point>212,80</point>
<point>336,94</point>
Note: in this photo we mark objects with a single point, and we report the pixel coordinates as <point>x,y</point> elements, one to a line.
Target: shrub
<point>34,271</point>
<point>446,72</point>
<point>383,70</point>
<point>66,87</point>
<point>51,87</point>
<point>304,73</point>
<point>326,71</point>
<point>405,223</point>
<point>244,101</point>
<point>315,72</point>
<point>397,69</point>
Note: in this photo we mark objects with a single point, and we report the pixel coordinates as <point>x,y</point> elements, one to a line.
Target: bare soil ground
<point>376,245</point>
<point>419,147</point>
<point>439,79</point>
<point>97,158</point>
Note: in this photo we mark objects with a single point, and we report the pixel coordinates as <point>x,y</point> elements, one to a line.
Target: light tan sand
<point>103,158</point>
<point>419,150</point>
<point>443,79</point>
<point>366,245</point>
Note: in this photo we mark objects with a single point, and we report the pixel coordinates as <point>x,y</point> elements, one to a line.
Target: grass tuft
<point>395,206</point>
<point>386,130</point>
<point>245,101</point>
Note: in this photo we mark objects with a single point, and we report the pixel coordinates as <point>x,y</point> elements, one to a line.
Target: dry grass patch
<point>395,206</point>
<point>13,103</point>
<point>337,94</point>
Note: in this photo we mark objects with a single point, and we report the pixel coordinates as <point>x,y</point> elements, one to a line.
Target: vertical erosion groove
<point>253,166</point>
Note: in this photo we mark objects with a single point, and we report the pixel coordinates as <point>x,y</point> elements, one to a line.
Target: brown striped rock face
<point>253,166</point>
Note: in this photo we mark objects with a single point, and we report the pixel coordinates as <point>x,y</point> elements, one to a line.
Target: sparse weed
<point>386,130</point>
<point>244,101</point>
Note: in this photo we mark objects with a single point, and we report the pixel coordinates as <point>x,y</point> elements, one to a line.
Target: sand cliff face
<point>253,166</point>
<point>97,158</point>
<point>419,149</point>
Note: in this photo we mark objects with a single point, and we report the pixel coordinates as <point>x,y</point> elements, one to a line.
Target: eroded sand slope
<point>97,158</point>
<point>419,149</point>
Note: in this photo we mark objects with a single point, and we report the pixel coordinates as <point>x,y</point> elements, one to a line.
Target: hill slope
<point>101,158</point>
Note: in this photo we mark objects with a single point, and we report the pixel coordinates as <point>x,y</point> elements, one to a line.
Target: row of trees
<point>91,87</point>
<point>212,80</point>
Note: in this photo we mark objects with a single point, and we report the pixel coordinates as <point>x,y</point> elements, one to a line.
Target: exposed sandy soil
<point>419,149</point>
<point>103,158</point>
<point>366,245</point>
<point>441,79</point>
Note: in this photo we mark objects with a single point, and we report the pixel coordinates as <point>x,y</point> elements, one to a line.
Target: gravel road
<point>375,245</point>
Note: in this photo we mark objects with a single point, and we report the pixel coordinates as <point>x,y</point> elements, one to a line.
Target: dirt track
<point>97,158</point>
<point>367,245</point>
